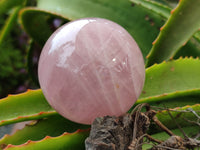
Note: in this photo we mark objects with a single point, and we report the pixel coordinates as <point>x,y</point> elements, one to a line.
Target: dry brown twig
<point>127,132</point>
<point>174,141</point>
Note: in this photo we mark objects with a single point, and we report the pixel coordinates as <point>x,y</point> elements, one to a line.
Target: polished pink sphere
<point>90,68</point>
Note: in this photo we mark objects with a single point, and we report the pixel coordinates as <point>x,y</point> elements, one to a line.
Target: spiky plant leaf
<point>69,141</point>
<point>164,11</point>
<point>171,81</point>
<point>37,130</point>
<point>181,25</point>
<point>6,5</point>
<point>40,19</point>
<point>162,136</point>
<point>26,106</point>
<point>119,11</point>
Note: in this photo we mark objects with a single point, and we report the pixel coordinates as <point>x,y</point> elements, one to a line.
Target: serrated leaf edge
<point>42,114</point>
<point>174,60</point>
<point>179,108</point>
<point>167,96</point>
<point>28,117</point>
<point>46,138</point>
<point>150,57</point>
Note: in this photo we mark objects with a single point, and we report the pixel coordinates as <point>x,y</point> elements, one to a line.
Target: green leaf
<point>122,12</point>
<point>169,3</point>
<point>185,116</point>
<point>30,62</point>
<point>52,126</point>
<point>180,114</point>
<point>158,8</point>
<point>27,106</point>
<point>70,141</point>
<point>197,35</point>
<point>37,27</point>
<point>181,25</point>
<point>12,19</point>
<point>191,48</point>
<point>164,136</point>
<point>173,80</point>
<point>6,5</point>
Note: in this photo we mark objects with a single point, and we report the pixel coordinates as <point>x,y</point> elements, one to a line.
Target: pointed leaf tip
<point>176,32</point>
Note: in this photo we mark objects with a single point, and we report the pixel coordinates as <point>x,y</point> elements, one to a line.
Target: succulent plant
<point>168,37</point>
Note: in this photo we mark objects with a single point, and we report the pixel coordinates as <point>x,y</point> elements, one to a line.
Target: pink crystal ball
<point>91,68</point>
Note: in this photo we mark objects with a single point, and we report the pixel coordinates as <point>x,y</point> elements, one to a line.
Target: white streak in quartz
<point>86,88</point>
<point>127,46</point>
<point>86,84</point>
<point>110,66</point>
<point>123,67</point>
<point>131,73</point>
<point>90,43</point>
<point>105,43</point>
<point>101,68</point>
<point>116,95</point>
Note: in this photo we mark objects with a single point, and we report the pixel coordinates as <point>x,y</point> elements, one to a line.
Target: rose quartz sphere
<point>90,68</point>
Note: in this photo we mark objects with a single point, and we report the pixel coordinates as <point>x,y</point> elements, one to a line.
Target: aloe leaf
<point>181,25</point>
<point>27,106</point>
<point>197,35</point>
<point>30,63</point>
<point>190,131</point>
<point>52,126</point>
<point>158,8</point>
<point>164,12</point>
<point>181,114</point>
<point>37,27</point>
<point>172,80</point>
<point>9,24</point>
<point>15,6</point>
<point>169,3</point>
<point>162,136</point>
<point>118,11</point>
<point>65,141</point>
<point>6,5</point>
<point>184,117</point>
